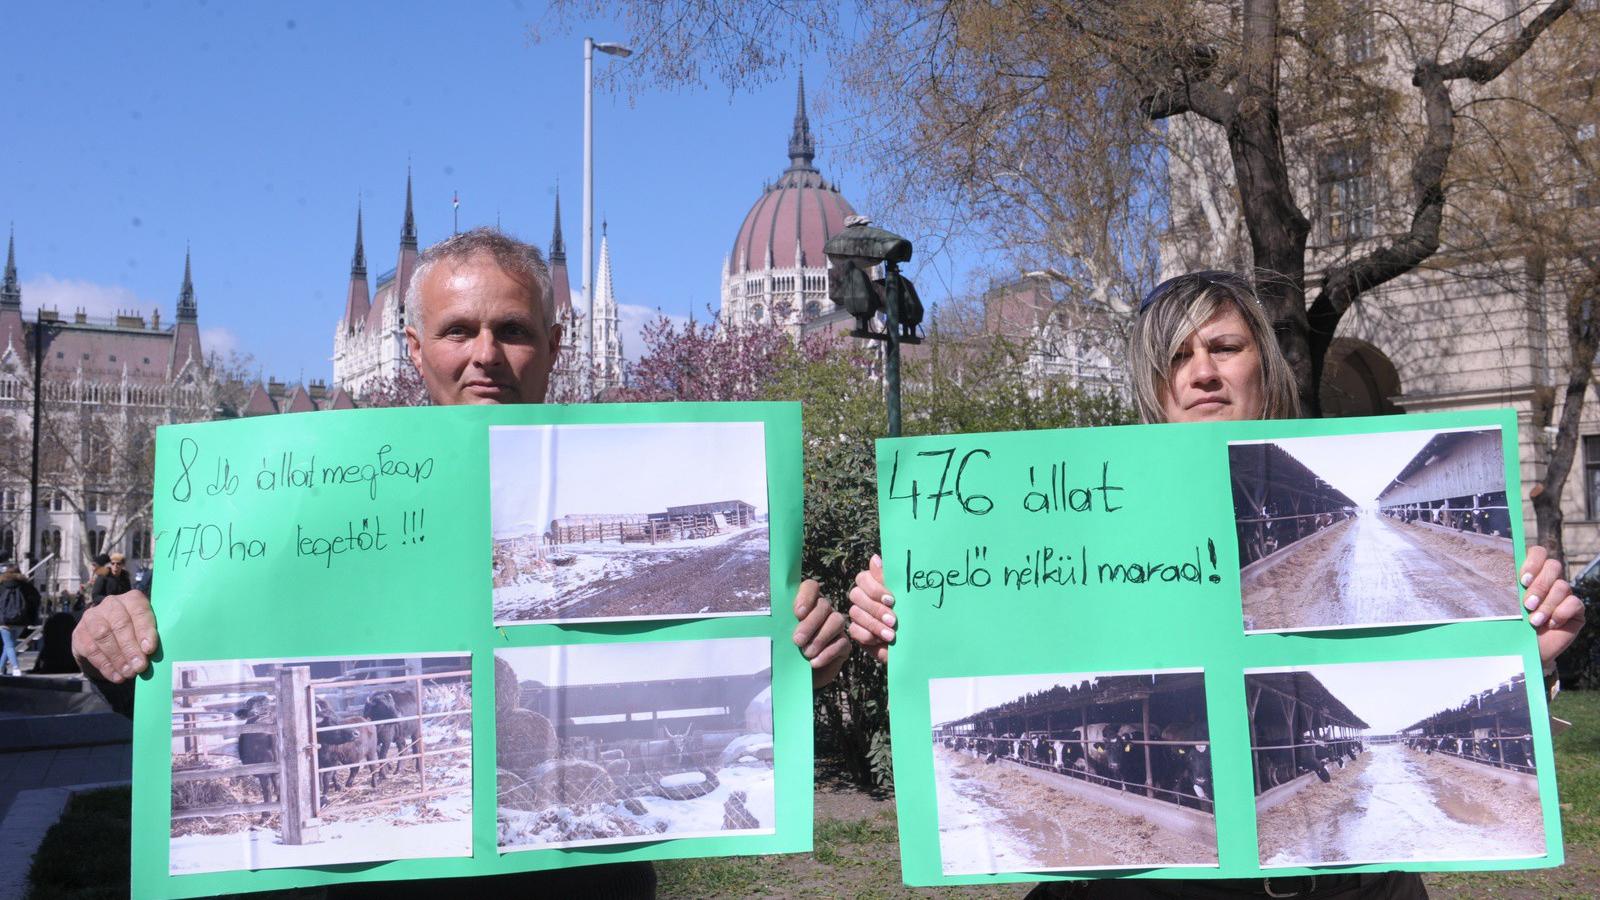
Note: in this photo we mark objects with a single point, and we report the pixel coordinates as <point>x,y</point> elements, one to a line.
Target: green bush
<point>843,413</point>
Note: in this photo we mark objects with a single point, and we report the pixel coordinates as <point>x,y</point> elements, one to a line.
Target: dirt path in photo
<point>728,577</point>
<point>1393,804</point>
<point>1372,569</point>
<point>994,816</point>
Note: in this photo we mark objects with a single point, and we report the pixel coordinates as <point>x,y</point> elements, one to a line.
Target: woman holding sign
<point>1202,350</point>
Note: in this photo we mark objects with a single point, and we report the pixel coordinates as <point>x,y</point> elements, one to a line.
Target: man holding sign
<point>482,329</point>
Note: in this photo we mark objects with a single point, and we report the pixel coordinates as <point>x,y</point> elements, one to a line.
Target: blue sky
<point>247,130</point>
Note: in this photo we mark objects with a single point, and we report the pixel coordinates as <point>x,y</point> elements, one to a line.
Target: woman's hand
<point>871,619</point>
<point>1554,611</point>
<point>820,634</point>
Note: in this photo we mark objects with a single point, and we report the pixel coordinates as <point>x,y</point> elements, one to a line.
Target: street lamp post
<point>40,328</point>
<point>589,46</point>
<point>853,253</point>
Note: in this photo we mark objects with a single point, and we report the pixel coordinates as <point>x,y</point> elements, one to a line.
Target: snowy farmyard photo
<point>1058,772</point>
<point>385,772</point>
<point>1398,528</point>
<point>625,743</point>
<point>1425,760</point>
<point>622,522</point>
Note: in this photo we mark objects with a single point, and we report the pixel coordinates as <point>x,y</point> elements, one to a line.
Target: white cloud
<point>67,294</point>
<point>632,320</point>
<point>219,340</point>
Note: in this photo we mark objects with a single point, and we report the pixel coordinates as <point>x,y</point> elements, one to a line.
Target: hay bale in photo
<point>507,693</point>
<point>514,792</point>
<point>570,782</point>
<point>524,740</point>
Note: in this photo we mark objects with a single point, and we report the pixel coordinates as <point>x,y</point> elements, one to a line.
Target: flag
<point>455,200</point>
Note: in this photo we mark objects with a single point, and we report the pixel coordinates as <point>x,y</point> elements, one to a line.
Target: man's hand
<point>1555,613</point>
<point>116,637</point>
<point>871,621</point>
<point>820,634</point>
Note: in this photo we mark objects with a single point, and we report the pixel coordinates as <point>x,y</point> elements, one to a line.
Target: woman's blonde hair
<point>1174,311</point>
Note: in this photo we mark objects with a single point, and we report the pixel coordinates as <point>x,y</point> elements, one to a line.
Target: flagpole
<point>455,212</point>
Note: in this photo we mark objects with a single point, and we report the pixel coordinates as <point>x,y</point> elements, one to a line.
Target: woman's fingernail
<point>1536,619</point>
<point>1527,578</point>
<point>888,619</point>
<point>888,599</point>
<point>888,635</point>
<point>137,662</point>
<point>1532,602</point>
<point>877,560</point>
<point>146,646</point>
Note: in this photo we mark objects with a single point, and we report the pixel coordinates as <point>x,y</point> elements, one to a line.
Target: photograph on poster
<point>1412,761</point>
<point>389,775</point>
<point>625,522</point>
<point>1072,771</point>
<point>1397,528</point>
<point>627,743</point>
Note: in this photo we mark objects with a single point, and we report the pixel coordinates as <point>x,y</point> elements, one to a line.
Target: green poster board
<point>1083,613</point>
<point>305,564</point>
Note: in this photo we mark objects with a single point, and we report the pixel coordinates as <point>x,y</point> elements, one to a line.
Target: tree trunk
<point>1277,227</point>
<point>1583,341</point>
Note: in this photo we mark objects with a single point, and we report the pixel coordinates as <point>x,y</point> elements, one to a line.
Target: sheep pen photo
<point>633,742</point>
<point>1072,772</point>
<point>309,762</point>
<point>604,523</point>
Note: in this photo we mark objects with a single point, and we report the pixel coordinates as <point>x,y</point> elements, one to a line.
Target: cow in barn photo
<point>1125,755</point>
<point>1287,763</point>
<point>1184,768</point>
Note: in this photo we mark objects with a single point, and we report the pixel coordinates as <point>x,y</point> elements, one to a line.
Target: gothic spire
<point>187,309</point>
<point>408,231</point>
<point>10,290</point>
<point>358,262</point>
<point>801,150</point>
<point>558,247</point>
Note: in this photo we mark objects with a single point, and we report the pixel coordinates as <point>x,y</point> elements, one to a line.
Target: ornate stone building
<point>606,364</point>
<point>107,385</point>
<point>369,343</point>
<point>776,272</point>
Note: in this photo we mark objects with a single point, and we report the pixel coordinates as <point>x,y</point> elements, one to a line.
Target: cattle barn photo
<point>1385,762</point>
<point>601,523</point>
<point>1393,528</point>
<point>634,742</point>
<point>1072,771</point>
<point>314,762</point>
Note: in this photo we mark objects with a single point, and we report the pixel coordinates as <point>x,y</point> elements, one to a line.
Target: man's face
<point>481,338</point>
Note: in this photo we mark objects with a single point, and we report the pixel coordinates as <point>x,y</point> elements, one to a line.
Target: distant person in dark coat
<point>19,601</point>
<point>55,651</point>
<point>115,580</point>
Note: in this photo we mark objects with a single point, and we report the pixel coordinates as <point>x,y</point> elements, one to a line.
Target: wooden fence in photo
<point>295,741</point>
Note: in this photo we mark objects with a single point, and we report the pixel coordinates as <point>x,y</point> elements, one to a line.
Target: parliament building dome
<point>776,271</point>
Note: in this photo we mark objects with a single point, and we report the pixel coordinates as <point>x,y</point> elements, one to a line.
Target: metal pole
<point>33,469</point>
<point>891,362</point>
<point>588,198</point>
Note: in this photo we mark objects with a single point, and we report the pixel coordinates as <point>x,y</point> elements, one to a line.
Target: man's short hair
<point>523,262</point>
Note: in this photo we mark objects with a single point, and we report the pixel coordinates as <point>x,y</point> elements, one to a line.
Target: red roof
<point>802,204</point>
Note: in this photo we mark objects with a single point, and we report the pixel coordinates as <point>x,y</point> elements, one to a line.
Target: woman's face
<point>1216,373</point>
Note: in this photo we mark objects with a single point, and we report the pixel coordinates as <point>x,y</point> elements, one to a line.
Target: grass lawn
<point>856,853</point>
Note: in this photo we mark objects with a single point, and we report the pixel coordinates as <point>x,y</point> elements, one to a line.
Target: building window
<point>1345,189</point>
<point>1591,476</point>
<point>756,312</point>
<point>139,544</point>
<point>97,541</point>
<point>8,544</point>
<point>50,542</point>
<point>1586,192</point>
<point>1360,41</point>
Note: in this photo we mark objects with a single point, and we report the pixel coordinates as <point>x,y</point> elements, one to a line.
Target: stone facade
<point>107,385</point>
